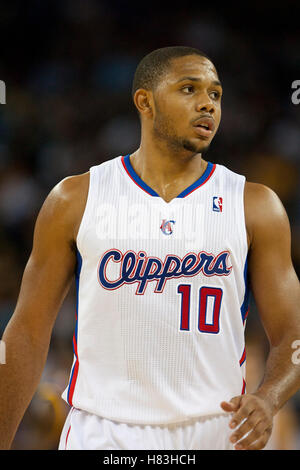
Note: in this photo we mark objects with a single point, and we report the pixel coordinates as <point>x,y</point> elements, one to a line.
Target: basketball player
<point>163,245</point>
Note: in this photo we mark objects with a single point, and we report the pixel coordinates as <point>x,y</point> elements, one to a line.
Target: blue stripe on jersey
<point>77,276</point>
<point>76,363</point>
<point>185,192</point>
<point>136,177</point>
<point>245,304</point>
<point>199,182</point>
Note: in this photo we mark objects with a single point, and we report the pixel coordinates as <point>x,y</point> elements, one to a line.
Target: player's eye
<point>216,95</point>
<point>187,89</point>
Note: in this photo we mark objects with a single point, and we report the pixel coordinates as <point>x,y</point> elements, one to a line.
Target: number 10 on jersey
<point>209,308</point>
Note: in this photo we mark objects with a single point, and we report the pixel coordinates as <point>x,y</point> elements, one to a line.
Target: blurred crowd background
<point>68,66</point>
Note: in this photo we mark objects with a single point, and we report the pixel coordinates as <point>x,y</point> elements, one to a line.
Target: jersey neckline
<point>210,169</point>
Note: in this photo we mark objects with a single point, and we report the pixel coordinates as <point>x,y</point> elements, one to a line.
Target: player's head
<point>173,88</point>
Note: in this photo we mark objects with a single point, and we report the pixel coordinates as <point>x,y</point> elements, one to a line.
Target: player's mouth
<point>204,126</point>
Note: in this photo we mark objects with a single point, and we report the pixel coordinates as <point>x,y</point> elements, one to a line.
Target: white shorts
<point>85,431</point>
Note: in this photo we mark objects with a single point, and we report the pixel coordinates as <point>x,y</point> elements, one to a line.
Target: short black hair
<point>151,68</point>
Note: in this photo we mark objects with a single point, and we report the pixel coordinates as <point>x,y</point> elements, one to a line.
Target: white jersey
<point>162,297</point>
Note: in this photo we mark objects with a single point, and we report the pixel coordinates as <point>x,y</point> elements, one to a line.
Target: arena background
<point>68,68</point>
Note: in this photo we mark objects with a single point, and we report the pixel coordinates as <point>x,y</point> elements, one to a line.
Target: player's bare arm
<point>276,290</point>
<point>45,283</point>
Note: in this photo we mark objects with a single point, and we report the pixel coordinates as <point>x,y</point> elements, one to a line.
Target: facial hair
<point>188,145</point>
<point>164,130</point>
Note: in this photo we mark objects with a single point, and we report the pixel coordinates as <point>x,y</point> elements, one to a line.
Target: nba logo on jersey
<point>166,226</point>
<point>217,204</point>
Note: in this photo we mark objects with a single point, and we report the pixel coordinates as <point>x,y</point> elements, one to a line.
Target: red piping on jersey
<point>245,317</point>
<point>76,365</point>
<point>208,177</point>
<point>74,374</point>
<point>242,360</point>
<point>123,163</point>
<point>244,387</point>
<point>151,192</point>
<point>67,436</point>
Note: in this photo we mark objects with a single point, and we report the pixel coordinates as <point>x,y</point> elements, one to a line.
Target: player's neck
<point>166,172</point>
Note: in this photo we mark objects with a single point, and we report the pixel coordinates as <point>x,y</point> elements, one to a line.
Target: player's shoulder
<point>264,209</point>
<point>65,203</point>
<point>75,186</point>
<point>261,197</point>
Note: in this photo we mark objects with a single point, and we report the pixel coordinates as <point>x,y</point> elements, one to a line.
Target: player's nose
<point>208,107</point>
<point>205,104</point>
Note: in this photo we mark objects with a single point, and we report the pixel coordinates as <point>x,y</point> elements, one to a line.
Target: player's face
<point>187,104</point>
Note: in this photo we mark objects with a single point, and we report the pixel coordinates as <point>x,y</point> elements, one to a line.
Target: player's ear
<point>143,101</point>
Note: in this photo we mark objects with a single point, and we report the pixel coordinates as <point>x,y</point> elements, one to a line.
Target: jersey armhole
<point>244,225</point>
<point>87,211</point>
